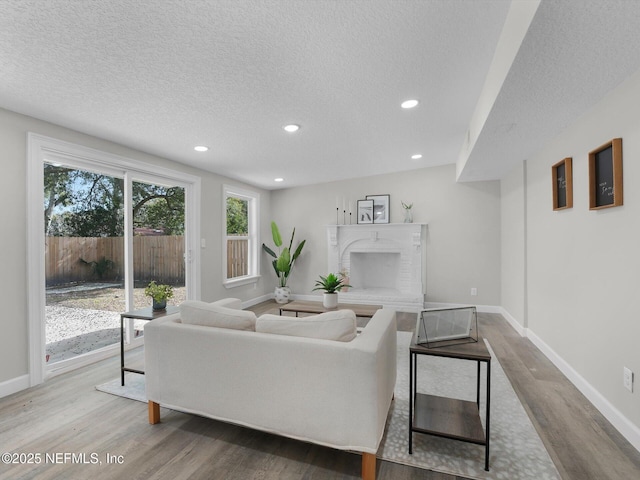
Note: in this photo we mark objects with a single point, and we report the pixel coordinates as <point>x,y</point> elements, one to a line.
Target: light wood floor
<point>67,415</point>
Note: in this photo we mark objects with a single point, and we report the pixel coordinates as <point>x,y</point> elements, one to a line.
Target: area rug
<point>516,452</point>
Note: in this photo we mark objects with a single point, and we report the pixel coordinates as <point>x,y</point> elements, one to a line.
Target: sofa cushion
<point>211,315</point>
<point>338,325</point>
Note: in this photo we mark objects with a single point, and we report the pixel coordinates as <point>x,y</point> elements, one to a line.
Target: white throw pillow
<point>212,315</point>
<point>339,325</point>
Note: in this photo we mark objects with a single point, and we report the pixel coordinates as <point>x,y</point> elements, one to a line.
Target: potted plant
<point>331,285</point>
<point>283,262</point>
<point>159,293</point>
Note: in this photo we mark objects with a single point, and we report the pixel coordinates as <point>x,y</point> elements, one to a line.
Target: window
<point>241,240</point>
<point>98,198</point>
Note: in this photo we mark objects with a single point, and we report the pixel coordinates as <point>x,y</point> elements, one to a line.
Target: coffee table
<point>305,306</point>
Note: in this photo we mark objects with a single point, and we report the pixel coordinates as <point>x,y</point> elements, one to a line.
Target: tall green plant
<point>284,260</point>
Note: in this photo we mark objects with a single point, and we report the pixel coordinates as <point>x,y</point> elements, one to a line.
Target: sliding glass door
<point>158,253</point>
<point>84,260</point>
<point>100,228</point>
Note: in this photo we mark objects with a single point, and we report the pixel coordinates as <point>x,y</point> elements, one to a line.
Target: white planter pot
<point>329,300</point>
<point>282,294</point>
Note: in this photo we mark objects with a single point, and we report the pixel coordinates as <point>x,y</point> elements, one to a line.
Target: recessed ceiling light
<point>417,156</point>
<point>409,103</point>
<point>201,148</point>
<point>291,128</point>
<point>279,179</point>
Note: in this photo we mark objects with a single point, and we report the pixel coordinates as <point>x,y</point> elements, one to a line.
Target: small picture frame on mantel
<point>380,208</point>
<point>365,211</point>
<point>562,176</point>
<point>605,175</point>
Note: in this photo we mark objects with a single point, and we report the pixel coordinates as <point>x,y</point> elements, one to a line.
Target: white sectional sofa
<point>328,392</point>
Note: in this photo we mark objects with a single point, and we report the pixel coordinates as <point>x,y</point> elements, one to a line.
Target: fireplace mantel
<point>385,262</point>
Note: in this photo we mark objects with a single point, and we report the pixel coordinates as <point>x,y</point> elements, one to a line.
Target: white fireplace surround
<point>385,262</point>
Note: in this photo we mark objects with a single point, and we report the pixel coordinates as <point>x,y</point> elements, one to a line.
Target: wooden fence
<point>237,257</point>
<point>159,258</point>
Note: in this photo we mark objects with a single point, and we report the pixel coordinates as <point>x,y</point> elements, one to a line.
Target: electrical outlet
<point>627,379</point>
<point>474,291</point>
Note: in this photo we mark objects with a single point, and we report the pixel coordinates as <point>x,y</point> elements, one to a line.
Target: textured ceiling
<point>164,76</point>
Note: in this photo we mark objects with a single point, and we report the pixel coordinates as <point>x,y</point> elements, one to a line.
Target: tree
<point>87,204</point>
<point>57,191</point>
<point>159,208</point>
<point>237,216</point>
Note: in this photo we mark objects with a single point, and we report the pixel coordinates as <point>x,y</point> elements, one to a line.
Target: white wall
<point>13,281</point>
<point>582,266</point>
<point>463,236</point>
<point>513,293</point>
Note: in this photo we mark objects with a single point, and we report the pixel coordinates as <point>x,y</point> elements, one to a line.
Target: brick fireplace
<point>386,262</point>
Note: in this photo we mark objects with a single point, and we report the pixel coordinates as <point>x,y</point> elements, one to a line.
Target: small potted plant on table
<point>331,285</point>
<point>159,293</point>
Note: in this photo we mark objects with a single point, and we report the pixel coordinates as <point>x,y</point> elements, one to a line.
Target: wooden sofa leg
<point>154,412</point>
<point>368,466</point>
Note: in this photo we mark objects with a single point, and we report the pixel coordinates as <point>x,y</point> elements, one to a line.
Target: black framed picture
<point>605,175</point>
<point>365,211</point>
<point>380,208</point>
<point>562,176</point>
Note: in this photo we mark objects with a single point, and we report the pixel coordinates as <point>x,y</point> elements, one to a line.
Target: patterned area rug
<point>516,452</point>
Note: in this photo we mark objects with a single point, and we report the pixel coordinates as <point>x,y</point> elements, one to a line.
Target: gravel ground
<point>83,318</point>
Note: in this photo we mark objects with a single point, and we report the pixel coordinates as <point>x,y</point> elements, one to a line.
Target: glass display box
<point>440,327</point>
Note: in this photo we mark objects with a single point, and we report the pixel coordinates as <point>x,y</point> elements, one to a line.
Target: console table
<point>449,417</point>
<point>303,306</point>
<point>143,314</point>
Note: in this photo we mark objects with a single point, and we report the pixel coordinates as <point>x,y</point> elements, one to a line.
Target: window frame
<point>42,149</point>
<point>253,223</point>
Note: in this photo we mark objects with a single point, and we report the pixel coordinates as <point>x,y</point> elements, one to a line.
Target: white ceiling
<point>164,76</point>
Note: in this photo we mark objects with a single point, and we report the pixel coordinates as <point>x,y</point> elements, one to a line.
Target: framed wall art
<point>562,177</point>
<point>364,211</point>
<point>380,208</point>
<point>605,175</point>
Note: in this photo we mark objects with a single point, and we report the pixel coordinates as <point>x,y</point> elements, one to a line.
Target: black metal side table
<point>147,314</point>
<point>449,417</point>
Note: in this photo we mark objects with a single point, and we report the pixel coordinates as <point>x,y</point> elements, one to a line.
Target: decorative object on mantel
<point>605,175</point>
<point>344,211</point>
<point>283,263</point>
<point>331,285</point>
<point>159,293</point>
<point>344,276</point>
<point>364,211</point>
<point>562,175</point>
<point>380,208</point>
<point>408,217</point>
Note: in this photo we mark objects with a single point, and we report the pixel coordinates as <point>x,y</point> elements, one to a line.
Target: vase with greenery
<point>283,261</point>
<point>159,293</point>
<point>331,285</point>
<point>408,216</point>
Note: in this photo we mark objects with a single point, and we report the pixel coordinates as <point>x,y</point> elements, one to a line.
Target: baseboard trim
<point>14,385</point>
<point>611,413</point>
<point>513,322</point>
<point>254,301</point>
